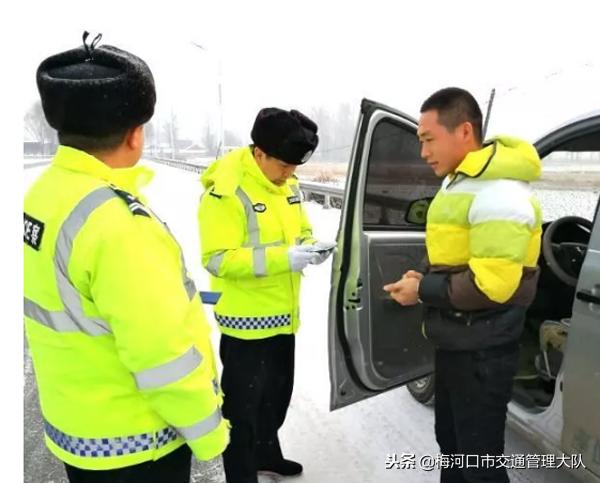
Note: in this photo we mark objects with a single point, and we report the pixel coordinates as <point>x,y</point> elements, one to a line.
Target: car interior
<point>564,245</point>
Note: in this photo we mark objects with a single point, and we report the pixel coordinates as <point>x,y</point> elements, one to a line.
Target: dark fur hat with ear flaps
<point>96,91</point>
<point>286,135</point>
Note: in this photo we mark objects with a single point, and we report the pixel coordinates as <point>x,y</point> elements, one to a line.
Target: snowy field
<point>349,445</point>
<point>555,203</point>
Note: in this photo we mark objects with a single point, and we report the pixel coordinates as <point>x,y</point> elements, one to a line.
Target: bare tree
<point>171,130</point>
<point>336,132</point>
<point>151,136</point>
<point>326,132</point>
<point>209,140</point>
<point>232,139</point>
<point>345,124</point>
<point>38,128</point>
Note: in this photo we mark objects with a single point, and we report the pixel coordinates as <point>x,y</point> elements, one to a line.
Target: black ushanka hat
<point>95,91</point>
<point>286,135</point>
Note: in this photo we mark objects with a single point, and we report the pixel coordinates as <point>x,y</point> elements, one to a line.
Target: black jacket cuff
<point>433,290</point>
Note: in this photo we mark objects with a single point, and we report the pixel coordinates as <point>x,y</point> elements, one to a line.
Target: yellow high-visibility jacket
<point>247,225</point>
<point>483,238</point>
<point>119,341</point>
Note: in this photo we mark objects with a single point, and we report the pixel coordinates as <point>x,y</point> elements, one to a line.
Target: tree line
<point>163,136</point>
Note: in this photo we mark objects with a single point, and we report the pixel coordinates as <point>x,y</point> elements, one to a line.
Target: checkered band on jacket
<point>102,447</point>
<point>250,323</point>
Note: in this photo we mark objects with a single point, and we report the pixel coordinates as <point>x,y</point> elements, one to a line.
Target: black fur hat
<point>96,91</point>
<point>286,135</point>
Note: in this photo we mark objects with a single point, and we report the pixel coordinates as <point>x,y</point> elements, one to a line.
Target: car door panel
<point>398,343</point>
<point>581,389</point>
<point>376,344</point>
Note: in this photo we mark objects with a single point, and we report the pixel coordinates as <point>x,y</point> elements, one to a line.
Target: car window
<point>396,176</point>
<point>569,185</point>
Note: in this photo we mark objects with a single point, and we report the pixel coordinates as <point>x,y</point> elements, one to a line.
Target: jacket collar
<point>502,157</point>
<point>252,169</point>
<point>128,179</point>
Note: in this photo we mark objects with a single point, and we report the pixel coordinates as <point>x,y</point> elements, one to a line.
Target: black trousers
<point>172,468</point>
<point>257,380</point>
<point>472,390</point>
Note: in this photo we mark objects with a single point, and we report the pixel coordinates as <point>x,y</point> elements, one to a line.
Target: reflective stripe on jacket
<point>247,225</point>
<point>116,330</point>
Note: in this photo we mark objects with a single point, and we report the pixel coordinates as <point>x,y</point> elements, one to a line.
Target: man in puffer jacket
<point>483,242</point>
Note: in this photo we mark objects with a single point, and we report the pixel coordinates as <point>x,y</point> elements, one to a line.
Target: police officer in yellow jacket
<point>256,240</point>
<point>119,341</point>
<point>483,243</point>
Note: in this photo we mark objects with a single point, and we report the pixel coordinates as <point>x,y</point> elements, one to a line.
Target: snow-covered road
<point>349,445</point>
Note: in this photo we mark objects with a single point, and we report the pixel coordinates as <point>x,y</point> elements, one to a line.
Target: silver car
<point>376,345</point>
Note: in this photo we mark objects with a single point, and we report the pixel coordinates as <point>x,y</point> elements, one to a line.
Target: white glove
<point>300,256</point>
<point>322,251</point>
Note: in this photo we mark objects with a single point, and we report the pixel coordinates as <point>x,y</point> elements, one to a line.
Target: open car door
<point>581,391</point>
<point>376,344</point>
<point>581,386</point>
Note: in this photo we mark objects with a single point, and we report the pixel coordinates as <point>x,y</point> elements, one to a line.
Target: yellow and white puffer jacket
<point>247,225</point>
<point>483,241</point>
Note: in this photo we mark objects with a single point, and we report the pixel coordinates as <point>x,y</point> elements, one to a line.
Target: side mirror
<point>416,214</point>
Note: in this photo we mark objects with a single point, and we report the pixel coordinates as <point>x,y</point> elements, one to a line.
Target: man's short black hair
<point>85,143</point>
<point>455,106</point>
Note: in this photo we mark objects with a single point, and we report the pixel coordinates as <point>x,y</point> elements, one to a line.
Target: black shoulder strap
<point>212,193</point>
<point>135,206</point>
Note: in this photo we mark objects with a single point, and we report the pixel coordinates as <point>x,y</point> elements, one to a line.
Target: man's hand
<point>300,256</point>
<point>413,274</point>
<point>322,251</point>
<point>406,290</point>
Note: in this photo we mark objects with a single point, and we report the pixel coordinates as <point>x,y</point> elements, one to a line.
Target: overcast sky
<point>543,59</point>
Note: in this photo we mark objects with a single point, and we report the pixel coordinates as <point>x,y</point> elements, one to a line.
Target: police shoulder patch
<point>135,206</point>
<point>260,207</point>
<point>33,231</point>
<point>292,200</point>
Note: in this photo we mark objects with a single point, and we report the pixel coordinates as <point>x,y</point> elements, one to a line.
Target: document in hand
<point>322,247</point>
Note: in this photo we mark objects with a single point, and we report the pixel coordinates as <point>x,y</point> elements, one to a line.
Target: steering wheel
<point>566,258</point>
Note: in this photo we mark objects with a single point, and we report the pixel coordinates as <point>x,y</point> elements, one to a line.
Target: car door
<point>581,386</point>
<point>581,391</point>
<point>374,343</point>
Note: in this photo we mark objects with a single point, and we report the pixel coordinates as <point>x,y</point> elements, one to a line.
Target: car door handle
<point>586,296</point>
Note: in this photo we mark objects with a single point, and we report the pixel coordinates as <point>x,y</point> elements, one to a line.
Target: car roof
<point>582,117</point>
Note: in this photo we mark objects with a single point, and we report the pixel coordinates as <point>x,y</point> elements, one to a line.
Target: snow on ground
<point>349,445</point>
<point>558,203</point>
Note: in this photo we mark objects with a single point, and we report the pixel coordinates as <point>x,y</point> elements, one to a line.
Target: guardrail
<point>179,163</point>
<point>328,196</point>
<point>41,160</point>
